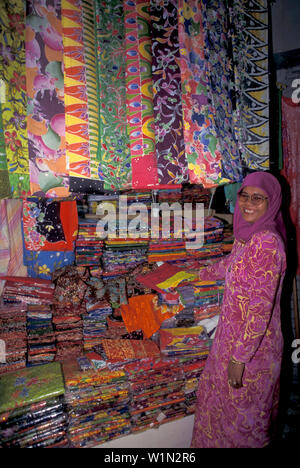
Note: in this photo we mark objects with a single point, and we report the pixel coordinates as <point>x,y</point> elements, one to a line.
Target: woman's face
<point>253,203</point>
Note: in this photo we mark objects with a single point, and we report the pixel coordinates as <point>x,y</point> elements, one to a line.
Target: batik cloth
<point>249,330</point>
<point>4,175</point>
<point>49,175</point>
<point>13,95</point>
<point>250,34</point>
<point>75,90</point>
<point>139,92</point>
<point>114,168</point>
<point>49,225</point>
<point>169,140</point>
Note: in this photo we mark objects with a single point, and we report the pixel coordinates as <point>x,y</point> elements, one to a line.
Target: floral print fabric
<point>13,96</point>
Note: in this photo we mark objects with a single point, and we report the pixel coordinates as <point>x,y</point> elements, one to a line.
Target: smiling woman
<point>238,391</point>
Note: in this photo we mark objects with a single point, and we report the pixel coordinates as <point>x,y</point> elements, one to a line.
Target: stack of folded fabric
<point>19,289</point>
<point>192,342</point>
<point>13,337</point>
<point>120,256</point>
<point>212,240</point>
<point>157,392</point>
<point>88,247</point>
<point>119,352</point>
<point>95,322</point>
<point>32,408</point>
<point>97,403</point>
<point>192,371</point>
<point>40,334</point>
<point>68,330</point>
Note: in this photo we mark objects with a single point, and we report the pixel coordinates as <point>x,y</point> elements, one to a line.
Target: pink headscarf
<point>272,220</point>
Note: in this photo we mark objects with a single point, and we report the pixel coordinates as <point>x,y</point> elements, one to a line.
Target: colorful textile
<point>141,314</point>
<point>249,330</point>
<point>13,87</point>
<point>11,245</point>
<point>139,92</point>
<point>49,225</point>
<point>90,54</point>
<point>217,49</point>
<point>30,385</point>
<point>250,35</point>
<point>291,163</point>
<point>75,90</point>
<point>45,94</point>
<point>169,141</point>
<point>4,176</point>
<point>115,162</point>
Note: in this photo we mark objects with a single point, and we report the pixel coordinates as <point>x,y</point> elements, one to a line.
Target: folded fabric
<point>160,274</point>
<point>174,280</point>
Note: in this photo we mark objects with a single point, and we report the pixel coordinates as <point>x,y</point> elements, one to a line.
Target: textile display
<point>75,89</point>
<point>163,96</point>
<point>49,173</point>
<point>291,166</point>
<point>13,70</point>
<point>250,35</point>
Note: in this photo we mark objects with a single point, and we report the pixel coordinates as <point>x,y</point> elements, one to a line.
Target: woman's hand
<point>235,372</point>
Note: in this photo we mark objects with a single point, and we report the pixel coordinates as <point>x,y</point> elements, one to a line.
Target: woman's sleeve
<point>261,275</point>
<point>216,271</point>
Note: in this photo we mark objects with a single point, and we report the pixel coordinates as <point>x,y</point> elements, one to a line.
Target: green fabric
<point>30,385</point>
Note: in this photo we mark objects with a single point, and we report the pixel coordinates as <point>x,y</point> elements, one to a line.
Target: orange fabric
<point>144,313</point>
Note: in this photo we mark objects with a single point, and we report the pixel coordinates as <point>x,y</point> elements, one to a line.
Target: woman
<point>239,388</point>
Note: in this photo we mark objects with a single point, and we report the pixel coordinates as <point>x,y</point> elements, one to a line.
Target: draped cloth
<point>13,100</point>
<point>249,22</point>
<point>49,175</point>
<point>169,140</point>
<point>139,93</point>
<point>75,90</point>
<point>11,246</point>
<point>291,162</point>
<point>114,168</point>
<point>4,175</point>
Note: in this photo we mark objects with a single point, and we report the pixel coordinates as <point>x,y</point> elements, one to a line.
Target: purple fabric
<point>249,329</point>
<point>272,220</point>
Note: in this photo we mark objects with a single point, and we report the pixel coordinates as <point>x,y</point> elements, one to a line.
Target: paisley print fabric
<point>169,141</point>
<point>249,330</point>
<point>114,167</point>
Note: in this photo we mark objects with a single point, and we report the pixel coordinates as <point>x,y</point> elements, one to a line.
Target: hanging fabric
<point>75,90</point>
<point>172,165</point>
<point>49,174</point>
<point>13,98</point>
<point>217,51</point>
<point>139,93</point>
<point>115,163</point>
<point>249,29</point>
<point>291,164</point>
<point>5,190</point>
